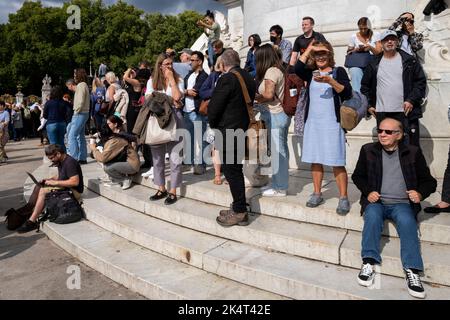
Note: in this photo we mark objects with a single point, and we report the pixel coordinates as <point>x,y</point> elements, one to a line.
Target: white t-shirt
<point>356,42</point>
<point>168,91</point>
<point>190,104</point>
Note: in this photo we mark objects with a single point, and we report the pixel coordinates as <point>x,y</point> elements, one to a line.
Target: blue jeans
<point>211,55</point>
<point>356,75</point>
<point>190,119</point>
<point>76,138</point>
<point>405,221</point>
<point>56,132</point>
<point>279,125</point>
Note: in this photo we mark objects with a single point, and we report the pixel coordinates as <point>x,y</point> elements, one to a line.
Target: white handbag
<point>155,135</point>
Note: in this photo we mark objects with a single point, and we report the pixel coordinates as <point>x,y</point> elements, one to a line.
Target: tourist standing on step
<point>393,179</point>
<point>56,112</point>
<point>206,92</point>
<point>254,41</point>
<point>120,160</point>
<point>77,148</point>
<point>363,45</point>
<point>410,41</point>
<point>270,75</point>
<point>395,84</point>
<point>324,138</point>
<point>212,30</point>
<point>302,42</point>
<point>184,66</point>
<point>276,37</point>
<point>227,110</point>
<point>165,80</point>
<point>192,84</point>
<point>97,99</point>
<point>4,135</point>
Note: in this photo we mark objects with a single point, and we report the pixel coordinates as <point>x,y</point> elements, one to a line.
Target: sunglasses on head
<point>388,132</point>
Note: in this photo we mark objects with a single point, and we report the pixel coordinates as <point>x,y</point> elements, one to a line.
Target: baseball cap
<point>186,50</point>
<point>388,33</point>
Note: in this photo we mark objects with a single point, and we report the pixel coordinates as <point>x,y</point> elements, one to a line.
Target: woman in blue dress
<point>324,139</point>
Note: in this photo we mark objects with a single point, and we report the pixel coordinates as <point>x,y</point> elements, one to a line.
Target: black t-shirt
<point>301,43</point>
<point>69,168</point>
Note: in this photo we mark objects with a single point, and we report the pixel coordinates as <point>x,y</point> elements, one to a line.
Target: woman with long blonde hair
<point>165,80</point>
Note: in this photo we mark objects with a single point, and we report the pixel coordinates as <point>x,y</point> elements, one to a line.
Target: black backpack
<point>61,207</point>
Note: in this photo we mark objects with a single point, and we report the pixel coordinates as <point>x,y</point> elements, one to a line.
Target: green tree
<point>36,41</point>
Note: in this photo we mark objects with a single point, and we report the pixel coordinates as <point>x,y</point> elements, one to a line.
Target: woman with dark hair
<point>212,30</point>
<point>55,113</point>
<point>324,138</point>
<point>270,75</point>
<point>81,104</point>
<point>165,80</point>
<point>120,160</point>
<point>254,41</point>
<point>410,41</point>
<point>363,42</point>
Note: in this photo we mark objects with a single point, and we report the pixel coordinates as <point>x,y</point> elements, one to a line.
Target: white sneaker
<point>148,174</point>
<point>274,193</point>
<point>112,184</point>
<point>367,275</point>
<point>126,184</point>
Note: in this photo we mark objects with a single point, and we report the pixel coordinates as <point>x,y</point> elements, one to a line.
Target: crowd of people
<point>140,111</point>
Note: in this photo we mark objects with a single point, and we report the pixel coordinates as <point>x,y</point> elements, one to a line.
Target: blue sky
<point>163,6</point>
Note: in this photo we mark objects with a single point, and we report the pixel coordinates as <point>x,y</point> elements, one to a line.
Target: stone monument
<point>46,88</point>
<point>337,19</point>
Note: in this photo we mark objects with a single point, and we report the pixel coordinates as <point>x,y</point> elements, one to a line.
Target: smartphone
<point>316,73</point>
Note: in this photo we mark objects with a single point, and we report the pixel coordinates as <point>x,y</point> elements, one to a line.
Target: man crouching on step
<point>69,176</point>
<point>393,178</point>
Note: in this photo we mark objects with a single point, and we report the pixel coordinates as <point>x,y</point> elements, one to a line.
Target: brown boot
<point>233,218</point>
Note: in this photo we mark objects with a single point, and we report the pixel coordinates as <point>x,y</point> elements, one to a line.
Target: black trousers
<point>411,126</point>
<point>235,177</point>
<point>446,186</point>
<point>233,170</point>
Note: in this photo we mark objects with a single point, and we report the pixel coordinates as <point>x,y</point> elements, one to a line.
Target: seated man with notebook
<point>69,176</point>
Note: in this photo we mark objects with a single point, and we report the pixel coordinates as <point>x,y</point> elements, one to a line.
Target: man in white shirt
<point>192,83</point>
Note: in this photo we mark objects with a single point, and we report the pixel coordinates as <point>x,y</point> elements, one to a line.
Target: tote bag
<point>155,135</point>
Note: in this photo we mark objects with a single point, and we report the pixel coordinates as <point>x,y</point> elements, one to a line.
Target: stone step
<point>433,228</point>
<point>301,239</point>
<point>282,274</point>
<point>310,241</point>
<point>143,271</point>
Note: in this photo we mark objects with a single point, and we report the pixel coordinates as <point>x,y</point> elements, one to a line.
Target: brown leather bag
<point>203,110</point>
<point>256,138</point>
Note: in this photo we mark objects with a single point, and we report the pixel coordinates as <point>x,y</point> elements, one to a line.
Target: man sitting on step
<point>69,176</point>
<point>393,178</point>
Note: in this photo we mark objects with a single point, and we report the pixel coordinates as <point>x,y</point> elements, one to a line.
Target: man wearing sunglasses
<point>393,179</point>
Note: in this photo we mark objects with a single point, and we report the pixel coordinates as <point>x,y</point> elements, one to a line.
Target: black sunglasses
<point>389,132</point>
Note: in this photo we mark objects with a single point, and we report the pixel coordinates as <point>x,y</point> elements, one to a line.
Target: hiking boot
<point>233,218</point>
<point>28,226</point>
<point>415,287</point>
<point>315,200</point>
<point>343,206</point>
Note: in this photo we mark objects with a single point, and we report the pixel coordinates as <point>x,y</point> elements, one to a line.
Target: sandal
<point>217,179</point>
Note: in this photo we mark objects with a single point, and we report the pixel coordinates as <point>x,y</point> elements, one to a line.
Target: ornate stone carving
<point>230,40</point>
<point>436,53</point>
<point>46,88</point>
